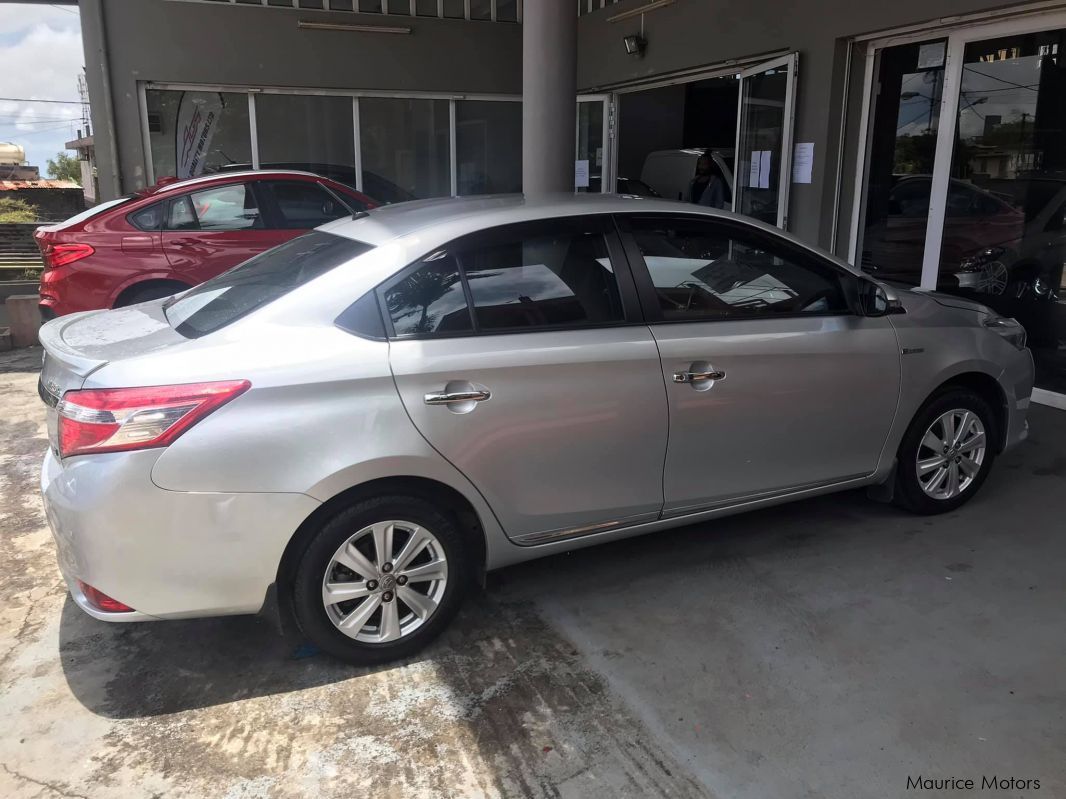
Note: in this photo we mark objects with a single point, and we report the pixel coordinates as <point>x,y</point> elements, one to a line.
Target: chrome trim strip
<point>669,518</point>
<point>690,510</point>
<point>573,532</point>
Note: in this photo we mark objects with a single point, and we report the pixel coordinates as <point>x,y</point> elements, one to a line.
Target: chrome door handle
<point>448,397</point>
<point>696,377</point>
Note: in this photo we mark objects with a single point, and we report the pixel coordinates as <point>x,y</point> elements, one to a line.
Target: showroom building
<point>922,139</point>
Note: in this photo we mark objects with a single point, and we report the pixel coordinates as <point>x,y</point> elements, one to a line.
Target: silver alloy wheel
<point>385,581</point>
<point>994,278</point>
<point>951,453</point>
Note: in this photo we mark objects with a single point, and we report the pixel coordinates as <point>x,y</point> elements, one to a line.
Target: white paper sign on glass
<point>581,174</point>
<point>931,55</point>
<point>803,162</point>
<point>764,168</point>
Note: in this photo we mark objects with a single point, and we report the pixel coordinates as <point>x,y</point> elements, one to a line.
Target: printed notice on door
<point>581,174</point>
<point>759,169</point>
<point>803,162</point>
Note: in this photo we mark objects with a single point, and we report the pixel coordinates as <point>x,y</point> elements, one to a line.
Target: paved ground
<point>828,649</point>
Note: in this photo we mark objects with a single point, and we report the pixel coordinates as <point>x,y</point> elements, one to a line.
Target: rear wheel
<point>946,454</point>
<point>380,580</point>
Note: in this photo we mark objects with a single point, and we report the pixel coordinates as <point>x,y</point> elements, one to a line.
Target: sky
<point>40,58</point>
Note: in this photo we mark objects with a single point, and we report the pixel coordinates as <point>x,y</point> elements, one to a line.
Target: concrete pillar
<point>549,95</point>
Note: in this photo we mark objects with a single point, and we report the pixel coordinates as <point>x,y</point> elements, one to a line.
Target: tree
<point>16,211</point>
<point>65,167</point>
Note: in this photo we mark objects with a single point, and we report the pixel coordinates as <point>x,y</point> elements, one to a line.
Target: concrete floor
<point>831,648</point>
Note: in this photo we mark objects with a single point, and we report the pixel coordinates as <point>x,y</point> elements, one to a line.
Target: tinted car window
<point>231,207</point>
<point>150,218</point>
<point>429,300</point>
<point>701,270</point>
<point>302,205</point>
<point>255,283</point>
<point>546,279</point>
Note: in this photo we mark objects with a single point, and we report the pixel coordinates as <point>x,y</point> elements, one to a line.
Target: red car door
<point>209,231</point>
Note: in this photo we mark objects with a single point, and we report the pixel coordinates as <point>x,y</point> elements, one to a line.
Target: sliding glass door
<point>965,175</point>
<point>764,140</point>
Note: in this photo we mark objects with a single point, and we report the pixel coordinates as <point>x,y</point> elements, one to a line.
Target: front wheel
<point>380,580</point>
<point>946,454</point>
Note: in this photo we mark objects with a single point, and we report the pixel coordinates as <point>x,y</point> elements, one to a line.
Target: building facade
<point>922,139</point>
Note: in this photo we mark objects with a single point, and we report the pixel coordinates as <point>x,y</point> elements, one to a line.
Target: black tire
<point>151,291</point>
<point>311,615</point>
<point>909,493</point>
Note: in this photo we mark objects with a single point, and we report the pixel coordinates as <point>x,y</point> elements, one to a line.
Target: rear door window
<point>549,275</point>
<point>555,274</point>
<point>255,283</point>
<point>430,300</point>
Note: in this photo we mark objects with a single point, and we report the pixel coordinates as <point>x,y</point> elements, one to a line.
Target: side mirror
<point>878,300</point>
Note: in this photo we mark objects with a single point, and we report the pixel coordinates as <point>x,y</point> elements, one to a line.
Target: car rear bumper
<point>167,554</point>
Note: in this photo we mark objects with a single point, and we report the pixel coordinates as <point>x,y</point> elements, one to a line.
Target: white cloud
<point>40,57</point>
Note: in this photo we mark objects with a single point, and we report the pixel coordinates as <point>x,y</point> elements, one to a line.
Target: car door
<point>209,231</point>
<point>520,355</point>
<point>775,382</point>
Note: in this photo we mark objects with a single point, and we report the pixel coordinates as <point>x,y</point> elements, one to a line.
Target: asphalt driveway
<point>831,648</point>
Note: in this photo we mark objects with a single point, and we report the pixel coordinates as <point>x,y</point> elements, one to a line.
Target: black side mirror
<point>878,300</point>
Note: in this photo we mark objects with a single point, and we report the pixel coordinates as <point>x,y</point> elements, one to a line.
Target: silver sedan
<point>365,420</point>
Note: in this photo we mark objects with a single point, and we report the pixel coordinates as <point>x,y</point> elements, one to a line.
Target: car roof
<point>442,220</point>
<point>227,177</point>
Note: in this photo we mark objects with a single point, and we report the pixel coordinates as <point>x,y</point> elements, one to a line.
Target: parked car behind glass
<point>169,237</point>
<point>365,419</point>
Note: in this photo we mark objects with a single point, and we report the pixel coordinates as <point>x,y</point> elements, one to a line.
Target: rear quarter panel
<point>322,416</point>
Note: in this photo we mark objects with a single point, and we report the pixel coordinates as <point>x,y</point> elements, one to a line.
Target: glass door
<point>1002,188</point>
<point>764,140</point>
<point>592,162</point>
<point>964,174</point>
<point>900,153</point>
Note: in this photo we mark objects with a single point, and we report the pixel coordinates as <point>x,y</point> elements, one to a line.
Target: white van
<point>670,172</point>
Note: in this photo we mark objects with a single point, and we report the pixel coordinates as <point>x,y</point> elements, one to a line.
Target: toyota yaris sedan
<point>363,421</point>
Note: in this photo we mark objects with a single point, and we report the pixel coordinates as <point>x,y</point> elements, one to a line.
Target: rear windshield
<point>89,213</point>
<point>255,283</point>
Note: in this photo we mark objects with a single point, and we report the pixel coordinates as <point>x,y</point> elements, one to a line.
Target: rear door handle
<point>448,397</point>
<point>697,377</point>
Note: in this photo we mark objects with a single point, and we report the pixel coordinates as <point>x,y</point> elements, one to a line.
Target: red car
<point>170,237</point>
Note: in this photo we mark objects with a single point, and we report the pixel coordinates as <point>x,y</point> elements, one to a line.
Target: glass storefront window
<point>307,132</point>
<point>1004,230</point>
<point>405,148</point>
<point>488,147</point>
<point>193,133</point>
<point>906,116</point>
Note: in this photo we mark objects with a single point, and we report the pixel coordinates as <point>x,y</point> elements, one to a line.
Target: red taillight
<point>56,255</point>
<point>123,419</point>
<point>101,601</point>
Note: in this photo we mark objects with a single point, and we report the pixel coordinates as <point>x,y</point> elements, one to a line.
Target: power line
<point>61,8</point>
<point>32,100</point>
